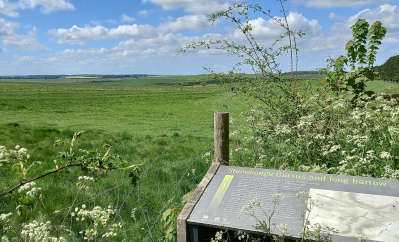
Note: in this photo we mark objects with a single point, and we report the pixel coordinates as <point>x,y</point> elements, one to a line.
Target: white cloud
<point>132,31</point>
<point>270,29</point>
<point>111,21</point>
<point>193,6</point>
<point>170,42</point>
<point>95,22</point>
<point>188,22</point>
<point>148,52</point>
<point>79,52</point>
<point>24,42</point>
<point>24,58</point>
<point>341,33</point>
<point>79,36</point>
<point>7,9</point>
<point>144,13</point>
<point>126,18</point>
<point>84,58</point>
<point>124,54</point>
<point>387,14</point>
<point>48,5</point>
<point>339,3</point>
<point>7,27</point>
<point>165,45</point>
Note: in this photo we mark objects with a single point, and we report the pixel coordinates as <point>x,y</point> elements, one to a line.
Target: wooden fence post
<point>221,136</point>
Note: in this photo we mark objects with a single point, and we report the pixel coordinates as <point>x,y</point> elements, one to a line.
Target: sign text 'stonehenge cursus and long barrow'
<point>347,205</point>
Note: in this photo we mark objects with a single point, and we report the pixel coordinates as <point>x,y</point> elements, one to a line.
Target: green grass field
<point>140,118</point>
<point>139,122</point>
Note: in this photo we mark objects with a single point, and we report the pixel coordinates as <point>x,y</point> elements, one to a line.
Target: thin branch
<point>39,177</point>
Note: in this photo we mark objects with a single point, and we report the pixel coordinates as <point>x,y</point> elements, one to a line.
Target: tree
<point>280,95</point>
<point>361,52</point>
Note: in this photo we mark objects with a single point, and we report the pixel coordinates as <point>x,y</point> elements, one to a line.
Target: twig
<point>36,178</point>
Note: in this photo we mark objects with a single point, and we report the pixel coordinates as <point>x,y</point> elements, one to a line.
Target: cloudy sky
<point>143,36</point>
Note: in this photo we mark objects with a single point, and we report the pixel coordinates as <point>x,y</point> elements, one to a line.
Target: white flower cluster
<point>36,231</point>
<point>34,192</point>
<point>99,216</point>
<point>391,173</point>
<point>315,168</point>
<point>306,120</point>
<point>4,217</point>
<point>29,189</point>
<point>3,153</point>
<point>283,129</point>
<point>218,237</point>
<point>385,155</point>
<point>249,208</point>
<point>206,154</point>
<point>85,178</point>
<point>284,229</point>
<point>19,154</point>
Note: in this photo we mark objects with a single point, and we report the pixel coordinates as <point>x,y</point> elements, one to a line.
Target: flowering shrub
<point>29,197</point>
<point>336,138</point>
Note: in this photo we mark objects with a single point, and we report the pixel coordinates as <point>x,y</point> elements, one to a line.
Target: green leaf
<point>15,168</point>
<point>134,180</point>
<point>27,200</point>
<point>186,197</point>
<point>166,214</point>
<point>172,227</point>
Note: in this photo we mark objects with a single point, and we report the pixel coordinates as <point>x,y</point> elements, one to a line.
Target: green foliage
<point>169,217</point>
<point>28,195</point>
<point>361,53</point>
<point>17,160</point>
<point>279,95</point>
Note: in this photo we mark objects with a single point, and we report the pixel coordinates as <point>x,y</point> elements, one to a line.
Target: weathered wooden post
<point>221,142</point>
<point>221,136</point>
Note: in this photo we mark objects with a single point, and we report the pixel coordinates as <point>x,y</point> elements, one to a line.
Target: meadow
<point>140,118</point>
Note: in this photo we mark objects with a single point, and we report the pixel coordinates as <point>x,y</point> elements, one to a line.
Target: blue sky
<point>143,36</point>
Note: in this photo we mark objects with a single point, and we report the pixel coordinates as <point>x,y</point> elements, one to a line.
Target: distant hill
<point>389,71</point>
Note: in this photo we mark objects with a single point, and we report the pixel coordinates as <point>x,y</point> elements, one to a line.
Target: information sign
<point>346,205</point>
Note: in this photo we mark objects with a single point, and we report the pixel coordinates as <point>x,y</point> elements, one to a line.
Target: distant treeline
<point>33,77</point>
<point>300,73</point>
<point>389,71</point>
<point>62,76</point>
<point>119,76</point>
